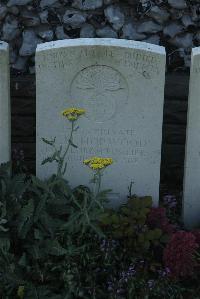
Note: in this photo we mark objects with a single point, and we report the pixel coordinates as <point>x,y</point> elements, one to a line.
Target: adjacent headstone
<point>5,135</point>
<point>191,200</point>
<point>120,83</point>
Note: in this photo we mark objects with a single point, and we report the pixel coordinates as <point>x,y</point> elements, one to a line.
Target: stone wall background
<point>171,23</point>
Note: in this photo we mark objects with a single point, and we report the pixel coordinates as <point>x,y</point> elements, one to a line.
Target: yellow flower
<point>20,292</point>
<point>96,163</point>
<point>73,114</point>
<point>95,166</point>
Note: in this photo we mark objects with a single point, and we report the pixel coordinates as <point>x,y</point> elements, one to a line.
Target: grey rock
<point>187,21</point>
<point>197,37</point>
<point>10,29</point>
<point>3,11</point>
<point>130,32</point>
<point>115,16</point>
<point>195,14</point>
<point>149,27</point>
<point>14,10</point>
<point>183,40</point>
<point>87,4</point>
<point>108,2</point>
<point>44,16</point>
<point>46,34</point>
<point>18,2</point>
<point>178,4</point>
<point>87,31</point>
<point>176,14</point>
<point>173,29</point>
<point>186,56</point>
<point>30,42</point>
<point>106,32</point>
<point>154,39</point>
<point>47,3</point>
<point>20,64</point>
<point>13,54</point>
<point>60,34</point>
<point>158,14</point>
<point>74,19</point>
<point>30,18</point>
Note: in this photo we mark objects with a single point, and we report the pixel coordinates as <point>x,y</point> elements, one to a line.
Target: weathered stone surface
<point>115,16</point>
<point>29,18</point>
<point>10,29</point>
<point>187,21</point>
<point>154,39</point>
<point>74,19</point>
<point>108,81</point>
<point>158,14</point>
<point>60,34</point>
<point>3,11</point>
<point>173,29</point>
<point>180,4</point>
<point>5,133</point>
<point>130,32</point>
<point>14,10</point>
<point>87,4</point>
<point>87,31</point>
<point>149,27</point>
<point>47,3</point>
<point>192,160</point>
<point>20,64</point>
<point>106,32</point>
<point>108,2</point>
<point>30,42</point>
<point>44,16</point>
<point>172,24</point>
<point>183,40</point>
<point>18,2</point>
<point>45,34</point>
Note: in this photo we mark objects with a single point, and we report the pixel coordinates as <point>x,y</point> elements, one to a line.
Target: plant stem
<point>60,173</point>
<point>97,179</point>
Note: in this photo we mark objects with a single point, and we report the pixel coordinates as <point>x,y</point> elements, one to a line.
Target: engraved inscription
<point>101,90</point>
<point>122,145</point>
<point>144,63</point>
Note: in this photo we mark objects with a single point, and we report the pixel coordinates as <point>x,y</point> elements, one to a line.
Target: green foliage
<point>45,230</point>
<point>62,243</point>
<point>128,225</point>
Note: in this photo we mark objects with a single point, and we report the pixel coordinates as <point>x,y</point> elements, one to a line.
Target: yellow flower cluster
<point>20,292</point>
<point>96,163</point>
<point>73,114</point>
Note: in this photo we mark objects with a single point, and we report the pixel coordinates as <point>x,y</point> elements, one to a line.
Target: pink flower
<point>157,219</point>
<point>179,254</point>
<point>196,233</point>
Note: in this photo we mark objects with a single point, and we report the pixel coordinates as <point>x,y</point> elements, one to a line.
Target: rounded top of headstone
<point>3,46</point>
<point>196,51</point>
<point>109,42</point>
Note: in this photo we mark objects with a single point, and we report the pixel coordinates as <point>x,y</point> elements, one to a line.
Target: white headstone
<point>4,103</point>
<point>120,83</point>
<point>191,199</point>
